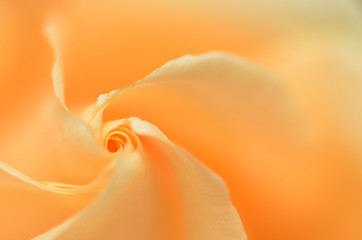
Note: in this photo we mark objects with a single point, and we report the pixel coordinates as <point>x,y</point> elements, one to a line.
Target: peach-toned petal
<point>109,44</point>
<point>157,192</point>
<point>50,30</point>
<point>36,206</point>
<point>57,147</point>
<point>209,100</point>
<point>55,144</point>
<point>288,178</point>
<point>94,113</point>
<point>285,177</point>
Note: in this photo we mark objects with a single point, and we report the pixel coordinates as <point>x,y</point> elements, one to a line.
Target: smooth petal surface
<point>55,144</point>
<point>285,176</point>
<point>38,206</point>
<point>60,169</point>
<point>157,192</point>
<point>298,182</point>
<point>123,41</point>
<point>51,166</point>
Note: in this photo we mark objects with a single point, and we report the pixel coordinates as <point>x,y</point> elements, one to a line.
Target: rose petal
<point>245,126</point>
<point>55,144</point>
<point>60,167</point>
<point>157,192</point>
<point>123,41</point>
<point>38,206</point>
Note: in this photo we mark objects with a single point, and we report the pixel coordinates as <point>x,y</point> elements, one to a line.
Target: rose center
<point>119,138</point>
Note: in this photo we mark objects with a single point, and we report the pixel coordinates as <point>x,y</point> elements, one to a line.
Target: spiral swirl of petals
<point>120,137</point>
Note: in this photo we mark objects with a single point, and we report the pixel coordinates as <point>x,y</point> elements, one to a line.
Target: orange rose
<point>286,140</point>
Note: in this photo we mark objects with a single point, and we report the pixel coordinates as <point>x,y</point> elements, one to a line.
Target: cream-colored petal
<point>158,192</point>
<point>211,100</point>
<point>46,153</point>
<point>304,201</point>
<point>35,207</point>
<point>50,30</point>
<point>109,44</point>
<point>94,113</point>
<point>55,144</point>
<point>284,175</point>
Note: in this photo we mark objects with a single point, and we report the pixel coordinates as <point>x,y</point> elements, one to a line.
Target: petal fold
<point>253,131</point>
<point>157,192</point>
